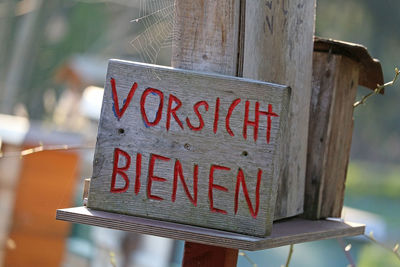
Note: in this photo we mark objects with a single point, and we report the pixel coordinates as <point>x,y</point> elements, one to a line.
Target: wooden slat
<point>207,36</point>
<point>370,69</point>
<point>286,232</point>
<point>278,48</point>
<point>335,81</point>
<point>340,135</point>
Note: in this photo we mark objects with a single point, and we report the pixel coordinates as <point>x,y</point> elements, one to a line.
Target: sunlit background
<point>53,60</point>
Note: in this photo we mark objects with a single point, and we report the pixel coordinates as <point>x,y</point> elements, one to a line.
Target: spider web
<point>158,19</point>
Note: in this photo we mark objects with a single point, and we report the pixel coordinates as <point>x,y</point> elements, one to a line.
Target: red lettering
<point>172,111</point>
<point>269,114</point>
<point>138,172</point>
<point>152,178</point>
<point>216,116</point>
<point>196,110</point>
<point>178,172</point>
<point>120,112</point>
<point>120,171</point>
<point>227,119</point>
<point>251,123</point>
<point>240,180</point>
<point>255,123</point>
<point>212,186</point>
<point>160,107</point>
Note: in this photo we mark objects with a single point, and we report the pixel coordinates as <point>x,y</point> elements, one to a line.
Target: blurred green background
<point>38,37</point>
<point>63,28</point>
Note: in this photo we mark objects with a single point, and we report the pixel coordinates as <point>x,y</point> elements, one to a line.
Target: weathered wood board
<point>187,147</point>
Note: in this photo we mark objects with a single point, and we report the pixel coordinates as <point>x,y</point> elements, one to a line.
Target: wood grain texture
<point>370,68</point>
<point>291,231</point>
<point>197,255</point>
<point>202,148</point>
<point>278,48</point>
<point>335,81</point>
<point>207,36</point>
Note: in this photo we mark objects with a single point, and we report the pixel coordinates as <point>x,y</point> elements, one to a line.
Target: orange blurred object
<point>46,182</point>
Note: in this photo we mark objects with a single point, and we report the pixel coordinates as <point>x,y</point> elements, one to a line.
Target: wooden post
<point>264,40</point>
<point>338,68</point>
<point>278,48</point>
<point>197,255</point>
<point>207,34</point>
<point>207,40</point>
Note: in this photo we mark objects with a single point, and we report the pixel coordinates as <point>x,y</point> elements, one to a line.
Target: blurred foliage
<point>372,255</point>
<point>85,24</point>
<point>369,179</point>
<point>103,28</point>
<point>64,28</point>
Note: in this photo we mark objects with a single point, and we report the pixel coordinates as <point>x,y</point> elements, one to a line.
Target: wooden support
<point>207,39</point>
<point>337,72</point>
<point>285,232</point>
<point>278,41</point>
<point>198,255</point>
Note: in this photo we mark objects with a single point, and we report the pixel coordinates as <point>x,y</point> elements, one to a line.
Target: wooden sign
<point>188,147</point>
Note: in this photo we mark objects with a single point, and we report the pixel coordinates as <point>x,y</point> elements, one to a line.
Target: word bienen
<point>178,177</point>
<point>174,104</point>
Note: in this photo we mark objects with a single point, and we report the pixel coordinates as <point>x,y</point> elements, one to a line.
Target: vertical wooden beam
<point>207,39</point>
<point>335,81</point>
<point>198,255</point>
<point>206,36</point>
<point>278,48</point>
